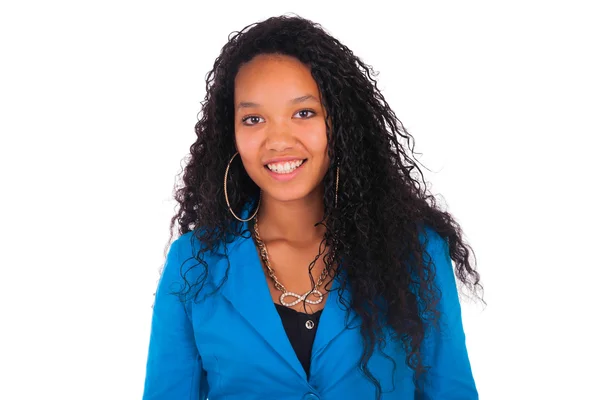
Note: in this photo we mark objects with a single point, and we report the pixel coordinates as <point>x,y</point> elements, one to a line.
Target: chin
<point>287,194</point>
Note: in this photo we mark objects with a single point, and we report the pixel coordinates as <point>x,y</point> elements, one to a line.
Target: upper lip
<point>283,159</point>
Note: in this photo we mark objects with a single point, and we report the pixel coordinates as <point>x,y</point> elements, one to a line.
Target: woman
<point>311,264</point>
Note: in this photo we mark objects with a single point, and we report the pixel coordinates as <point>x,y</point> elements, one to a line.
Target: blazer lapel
<point>334,319</point>
<point>247,290</point>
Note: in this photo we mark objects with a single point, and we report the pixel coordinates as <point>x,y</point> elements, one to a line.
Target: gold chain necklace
<point>265,257</point>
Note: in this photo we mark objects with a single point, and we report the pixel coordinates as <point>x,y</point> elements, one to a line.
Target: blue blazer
<point>232,345</point>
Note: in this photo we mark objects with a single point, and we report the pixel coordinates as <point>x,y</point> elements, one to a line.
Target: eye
<point>253,120</point>
<point>304,114</point>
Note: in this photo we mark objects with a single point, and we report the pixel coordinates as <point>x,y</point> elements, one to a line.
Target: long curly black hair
<point>380,205</point>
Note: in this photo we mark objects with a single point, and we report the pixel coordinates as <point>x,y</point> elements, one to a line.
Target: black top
<point>301,329</point>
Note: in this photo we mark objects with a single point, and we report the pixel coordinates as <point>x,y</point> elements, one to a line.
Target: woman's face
<point>280,129</point>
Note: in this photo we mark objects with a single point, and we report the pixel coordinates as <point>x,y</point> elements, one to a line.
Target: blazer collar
<point>247,290</point>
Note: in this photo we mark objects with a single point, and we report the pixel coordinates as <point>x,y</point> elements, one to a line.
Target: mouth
<point>285,168</point>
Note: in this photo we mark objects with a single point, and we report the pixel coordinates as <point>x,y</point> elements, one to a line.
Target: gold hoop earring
<point>337,182</point>
<point>227,197</point>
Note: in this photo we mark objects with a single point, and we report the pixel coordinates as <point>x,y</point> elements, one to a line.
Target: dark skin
<point>278,114</point>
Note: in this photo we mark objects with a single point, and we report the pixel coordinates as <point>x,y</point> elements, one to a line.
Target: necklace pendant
<point>300,298</point>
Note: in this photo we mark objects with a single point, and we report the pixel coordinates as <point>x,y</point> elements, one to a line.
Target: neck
<point>292,221</point>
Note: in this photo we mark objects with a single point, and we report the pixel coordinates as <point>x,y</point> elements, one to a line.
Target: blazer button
<point>310,396</point>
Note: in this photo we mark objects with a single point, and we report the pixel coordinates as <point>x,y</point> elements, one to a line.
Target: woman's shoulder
<point>196,249</point>
<point>186,242</point>
<point>429,236</point>
<point>193,244</point>
<point>430,242</point>
<point>436,250</point>
<point>190,267</point>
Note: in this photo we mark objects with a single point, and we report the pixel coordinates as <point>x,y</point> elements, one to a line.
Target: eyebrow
<point>301,99</point>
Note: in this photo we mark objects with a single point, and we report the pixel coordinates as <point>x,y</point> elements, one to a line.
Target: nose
<point>279,137</point>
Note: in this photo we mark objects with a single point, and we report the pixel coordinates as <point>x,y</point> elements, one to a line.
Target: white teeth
<point>284,167</point>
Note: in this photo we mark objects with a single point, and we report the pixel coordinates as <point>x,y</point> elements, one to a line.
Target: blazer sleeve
<point>444,349</point>
<point>174,367</point>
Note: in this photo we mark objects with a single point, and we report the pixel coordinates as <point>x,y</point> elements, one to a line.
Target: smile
<point>285,167</point>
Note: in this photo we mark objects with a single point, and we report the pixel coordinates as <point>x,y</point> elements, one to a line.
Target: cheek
<point>248,147</point>
<point>315,139</point>
<point>246,144</point>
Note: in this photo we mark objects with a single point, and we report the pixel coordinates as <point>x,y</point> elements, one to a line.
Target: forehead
<point>269,76</point>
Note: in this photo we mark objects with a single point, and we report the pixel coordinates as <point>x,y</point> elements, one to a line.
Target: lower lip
<point>285,177</point>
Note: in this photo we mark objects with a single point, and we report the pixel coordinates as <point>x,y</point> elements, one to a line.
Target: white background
<point>98,102</point>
